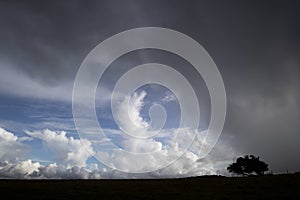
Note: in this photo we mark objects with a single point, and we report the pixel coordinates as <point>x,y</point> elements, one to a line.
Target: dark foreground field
<point>266,187</point>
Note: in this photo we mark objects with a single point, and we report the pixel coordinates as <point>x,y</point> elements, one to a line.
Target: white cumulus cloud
<point>11,148</point>
<point>68,151</point>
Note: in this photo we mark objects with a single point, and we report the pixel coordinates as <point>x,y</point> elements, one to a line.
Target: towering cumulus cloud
<point>71,159</point>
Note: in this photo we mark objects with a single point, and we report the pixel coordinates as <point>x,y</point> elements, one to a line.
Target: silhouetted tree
<point>248,165</point>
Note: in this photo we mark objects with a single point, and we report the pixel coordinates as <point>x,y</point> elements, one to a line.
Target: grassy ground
<point>265,187</point>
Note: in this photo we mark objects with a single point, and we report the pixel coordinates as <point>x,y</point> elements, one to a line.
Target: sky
<point>254,44</point>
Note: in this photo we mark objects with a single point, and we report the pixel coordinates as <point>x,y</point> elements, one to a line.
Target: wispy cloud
<point>14,82</point>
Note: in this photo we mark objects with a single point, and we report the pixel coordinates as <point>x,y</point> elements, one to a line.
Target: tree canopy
<point>248,165</point>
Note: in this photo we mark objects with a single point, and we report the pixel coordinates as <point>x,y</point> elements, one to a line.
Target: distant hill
<point>207,187</point>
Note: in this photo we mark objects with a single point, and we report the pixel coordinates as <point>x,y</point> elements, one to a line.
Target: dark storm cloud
<point>255,44</point>
<point>53,37</point>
